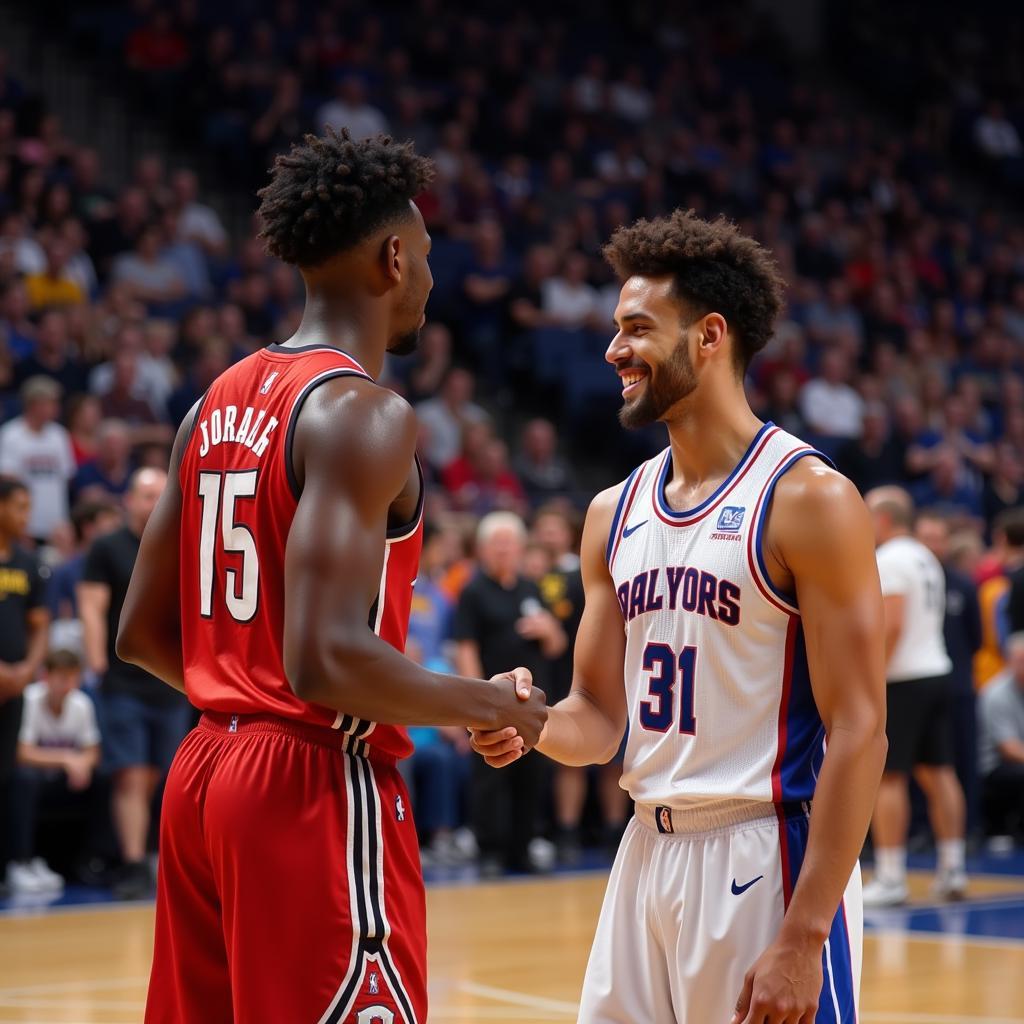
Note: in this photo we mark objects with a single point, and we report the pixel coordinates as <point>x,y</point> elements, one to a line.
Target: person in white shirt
<point>58,753</point>
<point>829,405</point>
<point>350,110</point>
<point>919,702</point>
<point>37,449</point>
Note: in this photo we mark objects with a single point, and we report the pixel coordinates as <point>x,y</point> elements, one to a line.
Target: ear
<point>392,259</point>
<point>713,331</point>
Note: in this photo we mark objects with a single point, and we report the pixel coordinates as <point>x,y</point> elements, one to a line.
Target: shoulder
<point>812,487</point>
<point>34,694</point>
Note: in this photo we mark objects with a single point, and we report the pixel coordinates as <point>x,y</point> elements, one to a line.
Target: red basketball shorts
<point>289,889</point>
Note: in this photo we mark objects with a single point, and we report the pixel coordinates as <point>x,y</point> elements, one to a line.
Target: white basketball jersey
<point>719,695</point>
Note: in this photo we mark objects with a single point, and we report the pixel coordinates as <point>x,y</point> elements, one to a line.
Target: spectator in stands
<point>197,222</point>
<point>783,403</point>
<point>1002,744</point>
<point>107,475</point>
<point>1004,487</point>
<point>35,448</point>
<point>143,719</point>
<point>17,331</point>
<point>58,754</point>
<point>447,415</point>
<point>485,287</point>
<point>90,518</point>
<point>568,299</point>
<point>19,245</point>
<point>950,486</point>
<point>831,407</point>
<point>963,639</point>
<point>543,472</point>
<point>54,287</point>
<point>350,109</point>
<point>876,457</point>
<point>23,634</point>
<point>430,365</point>
<point>500,619</point>
<point>54,355</point>
<point>152,278</point>
<point>480,479</point>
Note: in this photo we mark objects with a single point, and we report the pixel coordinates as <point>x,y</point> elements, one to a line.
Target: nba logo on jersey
<point>663,816</point>
<point>268,383</point>
<point>399,809</point>
<point>731,518</point>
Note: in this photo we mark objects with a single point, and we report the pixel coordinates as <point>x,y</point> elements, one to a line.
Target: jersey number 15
<point>219,493</point>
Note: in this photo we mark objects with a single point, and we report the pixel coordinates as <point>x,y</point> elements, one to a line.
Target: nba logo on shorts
<point>731,518</point>
<point>374,983</point>
<point>399,809</point>
<point>663,817</point>
<point>268,383</point>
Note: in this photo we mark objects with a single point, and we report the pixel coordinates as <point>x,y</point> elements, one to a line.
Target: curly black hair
<point>331,191</point>
<point>715,268</point>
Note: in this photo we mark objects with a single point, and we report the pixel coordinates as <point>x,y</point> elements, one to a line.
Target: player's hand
<point>783,987</point>
<point>500,747</point>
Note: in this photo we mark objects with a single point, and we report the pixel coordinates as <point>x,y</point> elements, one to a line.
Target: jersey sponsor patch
<point>730,519</point>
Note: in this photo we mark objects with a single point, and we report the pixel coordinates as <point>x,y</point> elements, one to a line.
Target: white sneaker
<point>23,881</point>
<point>950,885</point>
<point>881,892</point>
<point>47,877</point>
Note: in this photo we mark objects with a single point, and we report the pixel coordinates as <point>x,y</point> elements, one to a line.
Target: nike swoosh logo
<point>630,530</point>
<point>738,890</point>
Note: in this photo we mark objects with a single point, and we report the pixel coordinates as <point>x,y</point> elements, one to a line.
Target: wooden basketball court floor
<point>514,952</point>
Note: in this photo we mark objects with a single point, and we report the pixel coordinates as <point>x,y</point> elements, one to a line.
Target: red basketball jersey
<point>239,495</point>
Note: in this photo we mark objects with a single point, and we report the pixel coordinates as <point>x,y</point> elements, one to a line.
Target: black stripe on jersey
<point>362,727</point>
<point>402,531</point>
<point>198,410</point>
<point>374,608</point>
<point>327,375</point>
<point>287,350</point>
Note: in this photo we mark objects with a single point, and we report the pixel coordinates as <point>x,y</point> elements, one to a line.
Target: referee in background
<point>919,701</point>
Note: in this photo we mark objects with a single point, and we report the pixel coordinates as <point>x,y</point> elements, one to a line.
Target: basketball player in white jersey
<point>920,704</point>
<point>733,621</point>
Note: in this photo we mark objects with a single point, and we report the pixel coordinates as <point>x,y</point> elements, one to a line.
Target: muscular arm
<point>587,727</point>
<point>93,602</point>
<point>893,605</point>
<point>353,451</point>
<point>149,633</point>
<point>821,532</point>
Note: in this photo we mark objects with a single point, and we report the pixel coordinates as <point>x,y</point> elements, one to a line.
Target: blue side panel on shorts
<point>805,734</point>
<point>836,1004</point>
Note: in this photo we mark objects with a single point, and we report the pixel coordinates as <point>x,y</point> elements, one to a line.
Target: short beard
<point>405,344</point>
<point>674,382</point>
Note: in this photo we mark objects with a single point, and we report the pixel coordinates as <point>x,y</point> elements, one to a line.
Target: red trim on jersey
<point>719,498</point>
<point>625,515</point>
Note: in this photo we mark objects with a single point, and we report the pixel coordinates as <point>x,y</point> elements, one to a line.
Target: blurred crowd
<point>901,353</point>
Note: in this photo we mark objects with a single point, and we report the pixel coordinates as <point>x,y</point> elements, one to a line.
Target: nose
<point>617,350</point>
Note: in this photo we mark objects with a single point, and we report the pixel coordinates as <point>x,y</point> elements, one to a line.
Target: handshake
<point>522,716</point>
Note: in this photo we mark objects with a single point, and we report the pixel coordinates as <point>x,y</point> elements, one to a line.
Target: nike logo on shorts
<point>738,890</point>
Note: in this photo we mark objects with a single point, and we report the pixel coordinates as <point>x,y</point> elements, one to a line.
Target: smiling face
<point>650,352</point>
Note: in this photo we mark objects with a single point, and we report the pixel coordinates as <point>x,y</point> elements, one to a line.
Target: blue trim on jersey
<point>794,834</point>
<point>659,488</point>
<point>789,599</point>
<point>613,532</point>
<point>801,760</point>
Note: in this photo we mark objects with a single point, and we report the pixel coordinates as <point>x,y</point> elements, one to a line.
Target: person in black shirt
<point>500,621</point>
<point>963,639</point>
<point>142,720</point>
<point>24,621</point>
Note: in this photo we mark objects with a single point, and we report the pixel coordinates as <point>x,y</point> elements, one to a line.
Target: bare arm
<point>149,633</point>
<point>821,535</point>
<point>1011,750</point>
<point>93,602</point>
<point>38,622</point>
<point>894,605</point>
<point>354,446</point>
<point>586,727</point>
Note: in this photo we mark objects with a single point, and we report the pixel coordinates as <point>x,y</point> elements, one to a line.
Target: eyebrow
<point>638,315</point>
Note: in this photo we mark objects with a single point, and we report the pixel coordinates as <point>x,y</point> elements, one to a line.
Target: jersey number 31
<point>658,712</point>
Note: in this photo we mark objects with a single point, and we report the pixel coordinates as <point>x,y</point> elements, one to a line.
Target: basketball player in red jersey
<point>273,586</point>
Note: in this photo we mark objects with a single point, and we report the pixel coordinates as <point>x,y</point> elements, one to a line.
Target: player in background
<point>919,698</point>
<point>733,621</point>
<point>273,586</point>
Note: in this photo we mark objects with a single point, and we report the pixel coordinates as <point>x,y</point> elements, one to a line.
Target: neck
<point>710,433</point>
<point>353,323</point>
